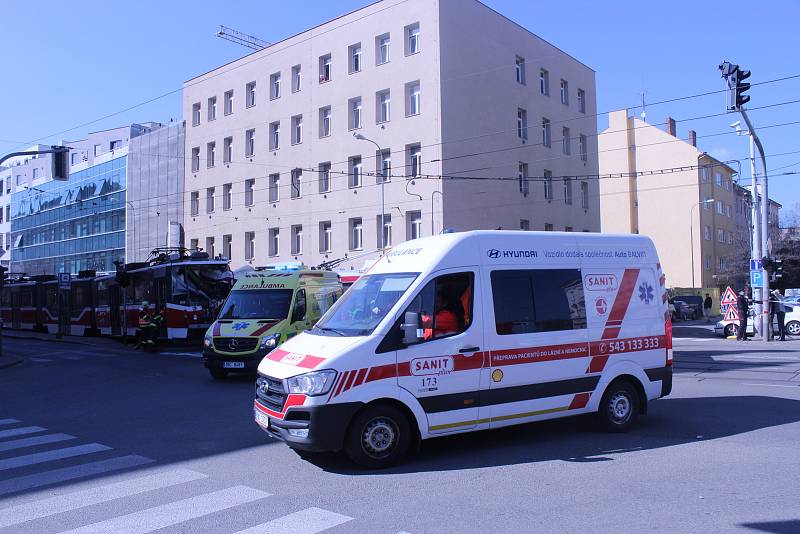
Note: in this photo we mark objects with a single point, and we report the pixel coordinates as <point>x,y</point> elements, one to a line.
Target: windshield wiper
<point>334,330</point>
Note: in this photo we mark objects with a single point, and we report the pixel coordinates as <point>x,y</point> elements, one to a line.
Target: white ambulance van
<point>472,331</point>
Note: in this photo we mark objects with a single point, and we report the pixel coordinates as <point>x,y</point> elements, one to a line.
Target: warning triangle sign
<point>729,297</point>
<point>731,314</point>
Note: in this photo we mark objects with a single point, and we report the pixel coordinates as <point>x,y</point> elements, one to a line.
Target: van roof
<point>280,279</point>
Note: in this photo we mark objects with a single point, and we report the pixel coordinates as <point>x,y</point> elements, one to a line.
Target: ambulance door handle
<point>469,351</point>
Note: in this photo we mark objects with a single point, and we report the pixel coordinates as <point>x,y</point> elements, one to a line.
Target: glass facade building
<point>71,226</point>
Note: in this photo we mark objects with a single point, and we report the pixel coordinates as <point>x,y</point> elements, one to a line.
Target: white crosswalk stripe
<point>95,495</point>
<point>49,456</point>
<point>308,521</point>
<point>175,512</point>
<point>8,422</point>
<point>10,433</point>
<point>31,442</point>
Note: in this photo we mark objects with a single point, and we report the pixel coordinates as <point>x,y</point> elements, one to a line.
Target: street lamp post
<point>691,232</point>
<point>361,137</point>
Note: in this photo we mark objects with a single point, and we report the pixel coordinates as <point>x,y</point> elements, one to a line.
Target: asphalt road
<point>97,438</point>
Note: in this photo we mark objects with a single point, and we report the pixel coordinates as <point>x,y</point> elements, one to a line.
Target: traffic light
<point>3,276</point>
<point>60,163</point>
<point>741,87</point>
<point>766,263</point>
<point>736,85</point>
<point>777,267</point>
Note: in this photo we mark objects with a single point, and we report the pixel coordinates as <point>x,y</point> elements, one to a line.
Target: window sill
<point>352,128</point>
<point>384,63</point>
<point>250,106</point>
<point>323,136</point>
<point>354,71</point>
<point>193,124</point>
<point>274,98</point>
<point>212,119</point>
<point>274,148</point>
<point>227,209</point>
<point>413,53</point>
<point>229,113</point>
<point>324,81</point>
<point>413,114</point>
<point>249,205</point>
<point>297,143</point>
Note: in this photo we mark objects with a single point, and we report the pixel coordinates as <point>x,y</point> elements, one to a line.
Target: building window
<point>275,86</point>
<point>720,235</point>
<point>413,99</point>
<point>354,52</point>
<point>297,129</point>
<point>414,229</point>
<point>227,246</point>
<point>297,78</point>
<point>250,143</point>
<point>98,149</point>
<point>194,244</point>
<point>354,171</point>
<point>548,227</point>
<point>274,185</point>
<point>210,246</point>
<point>228,102</point>
<point>581,100</point>
<point>274,241</point>
<point>522,123</point>
<point>325,64</point>
<point>382,43</point>
<point>297,239</point>
<point>195,114</point>
<point>707,233</point>
<point>524,185</point>
<point>565,92</point>
<point>568,191</point>
<point>227,196</point>
<point>546,132</point>
<point>544,82</point>
<point>383,102</point>
<point>227,150</point>
<point>718,179</point>
<point>704,174</point>
<point>384,235</point>
<point>211,154</point>
<point>212,108</point>
<point>585,195</point>
<point>249,191</point>
<point>414,160</point>
<point>250,94</point>
<point>720,208</point>
<point>210,200</point>
<point>194,203</point>
<point>730,238</point>
<point>568,229</point>
<point>325,121</point>
<point>729,210</point>
<point>325,237</point>
<point>195,159</point>
<point>566,142</point>
<point>519,69</point>
<point>412,39</point>
<point>583,148</point>
<point>249,245</point>
<point>548,184</point>
<point>721,262</point>
<point>354,105</point>
<point>524,224</point>
<point>707,204</point>
<point>384,166</point>
<point>356,234</point>
<point>324,177</point>
<point>297,183</point>
<point>37,174</point>
<point>275,135</point>
<point>727,185</point>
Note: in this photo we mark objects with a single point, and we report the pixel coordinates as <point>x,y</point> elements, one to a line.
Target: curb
<point>34,338</point>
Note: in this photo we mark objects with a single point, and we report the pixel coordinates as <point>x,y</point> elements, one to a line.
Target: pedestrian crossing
<point>38,493</point>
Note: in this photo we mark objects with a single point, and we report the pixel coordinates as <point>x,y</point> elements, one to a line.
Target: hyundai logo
<point>493,253</point>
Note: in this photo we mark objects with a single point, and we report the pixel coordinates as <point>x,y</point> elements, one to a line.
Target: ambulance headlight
<point>207,341</point>
<point>270,342</point>
<point>313,383</point>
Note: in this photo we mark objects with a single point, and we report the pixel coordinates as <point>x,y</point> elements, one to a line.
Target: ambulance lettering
<point>440,365</point>
<point>292,358</point>
<point>600,282</point>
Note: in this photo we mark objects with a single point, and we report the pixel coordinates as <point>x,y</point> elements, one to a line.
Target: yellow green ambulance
<point>265,308</point>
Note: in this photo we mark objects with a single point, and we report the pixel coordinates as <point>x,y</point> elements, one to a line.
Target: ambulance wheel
<point>218,374</point>
<point>793,328</point>
<point>730,330</point>
<point>619,406</point>
<point>378,437</point>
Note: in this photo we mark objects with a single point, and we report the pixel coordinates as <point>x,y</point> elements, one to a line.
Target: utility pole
<point>759,278</point>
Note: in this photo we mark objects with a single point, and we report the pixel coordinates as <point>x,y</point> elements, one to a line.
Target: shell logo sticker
<point>292,358</point>
<point>497,375</point>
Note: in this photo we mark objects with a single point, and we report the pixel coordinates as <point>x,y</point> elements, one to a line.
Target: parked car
<point>694,302</point>
<point>791,322</point>
<point>680,311</point>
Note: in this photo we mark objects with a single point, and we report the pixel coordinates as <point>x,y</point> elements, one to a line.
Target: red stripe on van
<point>621,303</point>
<point>263,329</point>
<point>217,328</point>
<point>539,354</point>
<point>579,401</point>
<point>362,374</point>
<point>381,372</point>
<point>341,383</point>
<point>350,377</point>
<point>309,362</point>
<point>597,364</point>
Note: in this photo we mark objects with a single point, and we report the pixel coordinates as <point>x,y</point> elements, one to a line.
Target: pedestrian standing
<point>742,307</point>
<point>707,305</point>
<point>779,307</point>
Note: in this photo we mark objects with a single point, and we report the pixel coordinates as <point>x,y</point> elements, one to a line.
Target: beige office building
<point>472,122</point>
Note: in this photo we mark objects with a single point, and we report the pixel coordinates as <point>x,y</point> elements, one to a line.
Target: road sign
<point>63,280</point>
<point>756,278</point>
<point>731,314</point>
<point>755,265</point>
<point>728,297</point>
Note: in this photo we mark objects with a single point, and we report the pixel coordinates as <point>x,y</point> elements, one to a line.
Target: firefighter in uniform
<point>144,323</point>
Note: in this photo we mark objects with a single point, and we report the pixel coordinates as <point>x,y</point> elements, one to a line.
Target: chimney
<point>671,128</point>
<point>693,138</point>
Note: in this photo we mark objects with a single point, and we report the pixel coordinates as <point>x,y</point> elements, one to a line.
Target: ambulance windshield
<point>364,305</point>
<point>257,304</point>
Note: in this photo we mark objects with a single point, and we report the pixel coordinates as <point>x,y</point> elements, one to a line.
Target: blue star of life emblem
<point>646,293</point>
<point>240,326</point>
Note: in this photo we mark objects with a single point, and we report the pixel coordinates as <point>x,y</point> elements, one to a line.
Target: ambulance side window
<point>299,312</point>
<point>444,305</point>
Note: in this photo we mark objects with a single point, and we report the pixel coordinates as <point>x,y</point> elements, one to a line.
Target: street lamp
<point>691,232</point>
<point>361,137</point>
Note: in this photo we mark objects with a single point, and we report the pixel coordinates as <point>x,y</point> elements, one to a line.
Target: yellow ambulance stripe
<point>498,418</point>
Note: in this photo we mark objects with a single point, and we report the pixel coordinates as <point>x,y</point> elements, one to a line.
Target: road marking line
<point>8,421</point>
<point>189,354</point>
<point>30,442</point>
<point>20,431</point>
<point>96,495</point>
<point>308,521</point>
<point>40,360</point>
<point>175,512</point>
<point>28,482</point>
<point>49,456</point>
<point>796,386</point>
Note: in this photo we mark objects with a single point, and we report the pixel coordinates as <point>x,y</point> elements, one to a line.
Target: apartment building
<point>392,122</point>
<point>688,202</point>
<point>5,215</point>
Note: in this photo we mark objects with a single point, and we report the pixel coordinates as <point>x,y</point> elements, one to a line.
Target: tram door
<point>161,293</point>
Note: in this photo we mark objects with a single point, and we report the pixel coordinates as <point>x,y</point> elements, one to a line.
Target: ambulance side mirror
<point>412,333</point>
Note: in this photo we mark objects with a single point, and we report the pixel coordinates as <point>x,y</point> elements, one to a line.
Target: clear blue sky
<point>66,64</point>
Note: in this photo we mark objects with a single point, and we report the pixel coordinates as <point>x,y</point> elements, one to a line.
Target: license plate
<point>233,365</point>
<point>262,419</point>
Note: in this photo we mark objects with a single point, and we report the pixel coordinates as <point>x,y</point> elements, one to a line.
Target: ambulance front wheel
<point>619,406</point>
<point>378,437</point>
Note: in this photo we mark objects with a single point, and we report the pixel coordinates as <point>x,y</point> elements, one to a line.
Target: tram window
<point>143,290</point>
<point>26,296</point>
